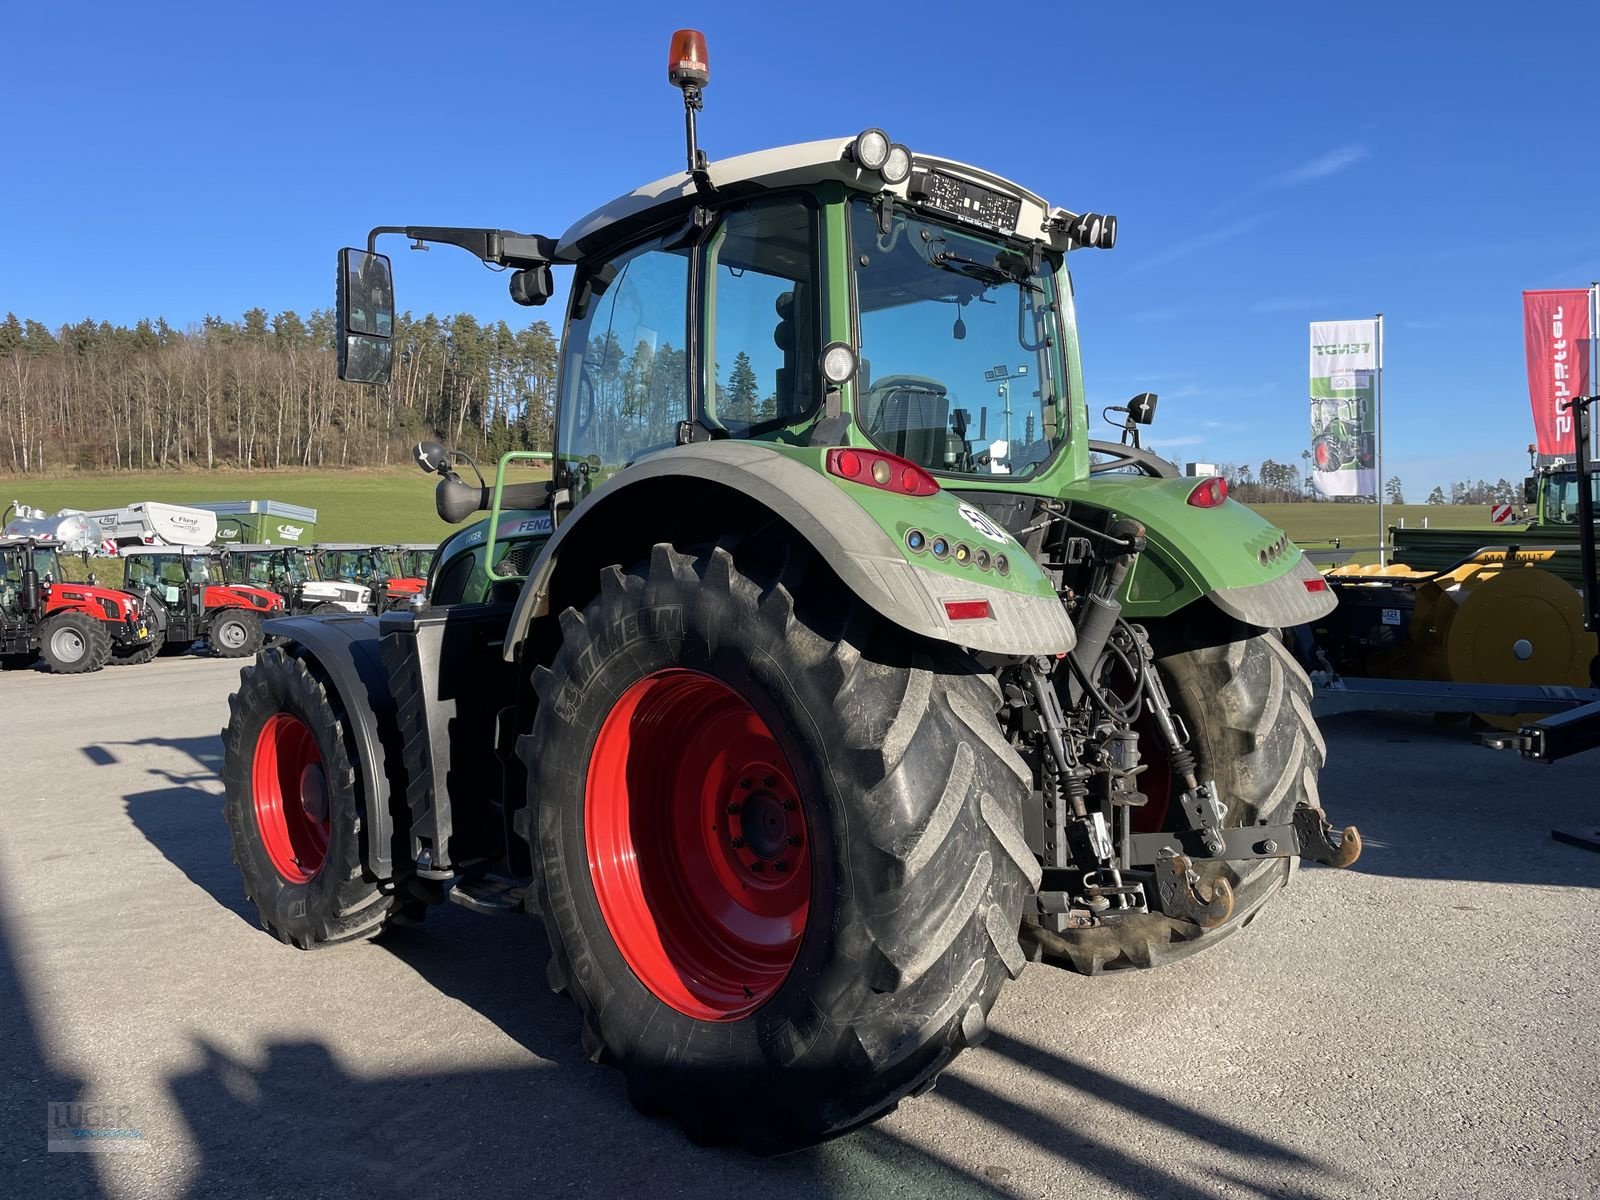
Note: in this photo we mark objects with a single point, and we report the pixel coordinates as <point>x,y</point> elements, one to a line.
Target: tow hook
<point>1320,842</point>
<point>1181,896</point>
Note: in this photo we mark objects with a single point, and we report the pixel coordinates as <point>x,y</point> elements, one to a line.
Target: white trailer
<point>149,523</point>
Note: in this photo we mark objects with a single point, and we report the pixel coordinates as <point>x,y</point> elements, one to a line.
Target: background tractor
<point>824,683</point>
<point>372,567</point>
<point>74,627</point>
<point>291,572</point>
<point>412,560</point>
<point>188,603</point>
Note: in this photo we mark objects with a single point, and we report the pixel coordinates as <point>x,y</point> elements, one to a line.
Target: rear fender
<point>746,485</point>
<point>343,652</point>
<point>1229,554</point>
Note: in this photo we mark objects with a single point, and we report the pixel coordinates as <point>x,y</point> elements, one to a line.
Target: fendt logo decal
<point>291,532</point>
<point>983,525</point>
<point>1343,348</point>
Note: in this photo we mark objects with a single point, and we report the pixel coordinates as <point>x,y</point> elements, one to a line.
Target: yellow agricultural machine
<point>1506,633</point>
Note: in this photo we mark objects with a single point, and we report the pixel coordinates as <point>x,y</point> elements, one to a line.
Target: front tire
<point>293,807</point>
<point>698,721</point>
<point>1247,704</point>
<point>133,656</point>
<point>74,643</point>
<point>235,633</point>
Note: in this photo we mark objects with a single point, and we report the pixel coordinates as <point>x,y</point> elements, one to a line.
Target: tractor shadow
<point>1432,803</point>
<point>293,1111</point>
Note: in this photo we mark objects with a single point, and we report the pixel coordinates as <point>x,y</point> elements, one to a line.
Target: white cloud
<point>1331,163</point>
<point>1201,241</point>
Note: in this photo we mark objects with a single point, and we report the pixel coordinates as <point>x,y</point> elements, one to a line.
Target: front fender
<point>1246,565</point>
<point>858,530</point>
<point>346,651</point>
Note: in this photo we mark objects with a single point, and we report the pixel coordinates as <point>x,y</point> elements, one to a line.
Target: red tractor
<point>187,601</point>
<point>74,627</point>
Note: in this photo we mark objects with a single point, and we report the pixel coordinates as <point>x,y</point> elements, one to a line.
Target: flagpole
<point>1383,554</point>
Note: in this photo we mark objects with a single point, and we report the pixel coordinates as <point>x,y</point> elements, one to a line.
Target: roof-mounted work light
<point>870,149</point>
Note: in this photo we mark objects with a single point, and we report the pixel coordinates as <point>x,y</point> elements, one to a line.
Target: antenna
<point>689,70</point>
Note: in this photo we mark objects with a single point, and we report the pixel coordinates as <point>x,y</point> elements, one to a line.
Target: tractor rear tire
<point>1247,704</point>
<point>294,809</point>
<point>134,656</point>
<point>235,633</point>
<point>779,847</point>
<point>74,643</point>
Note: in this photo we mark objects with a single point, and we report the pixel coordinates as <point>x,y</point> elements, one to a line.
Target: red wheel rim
<point>1322,454</point>
<point>291,795</point>
<point>698,845</point>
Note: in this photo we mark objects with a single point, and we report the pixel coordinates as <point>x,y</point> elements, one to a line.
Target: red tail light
<point>966,610</point>
<point>1318,584</point>
<point>887,472</point>
<point>1209,493</point>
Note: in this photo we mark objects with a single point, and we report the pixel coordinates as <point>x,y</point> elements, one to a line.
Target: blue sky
<point>1270,164</point>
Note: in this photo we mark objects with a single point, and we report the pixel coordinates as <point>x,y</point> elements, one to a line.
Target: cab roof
<point>800,165</point>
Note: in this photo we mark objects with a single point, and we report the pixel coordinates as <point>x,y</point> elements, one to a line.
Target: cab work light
<point>887,472</point>
<point>1210,493</point>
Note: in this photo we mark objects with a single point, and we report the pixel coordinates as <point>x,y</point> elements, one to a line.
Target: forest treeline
<point>263,392</point>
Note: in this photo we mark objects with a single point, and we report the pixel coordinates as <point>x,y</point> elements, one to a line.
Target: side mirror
<point>366,317</point>
<point>432,457</point>
<point>1530,490</point>
<point>1142,408</point>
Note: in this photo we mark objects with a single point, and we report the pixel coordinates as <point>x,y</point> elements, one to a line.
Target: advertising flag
<point>1344,423</point>
<point>1556,336</point>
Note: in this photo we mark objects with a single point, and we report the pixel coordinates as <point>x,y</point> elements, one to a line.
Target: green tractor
<point>824,683</point>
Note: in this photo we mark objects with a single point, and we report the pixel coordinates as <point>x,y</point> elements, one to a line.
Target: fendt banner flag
<point>1556,334</point>
<point>1345,361</point>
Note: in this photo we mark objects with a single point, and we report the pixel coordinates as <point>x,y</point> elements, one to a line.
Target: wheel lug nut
<point>733,809</point>
<point>788,806</point>
<point>794,839</point>
<point>780,865</point>
<point>758,867</point>
<point>770,781</point>
<point>738,843</point>
<point>745,784</point>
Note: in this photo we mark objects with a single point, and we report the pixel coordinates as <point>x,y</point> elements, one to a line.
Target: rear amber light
<point>1209,493</point>
<point>886,472</point>
<point>688,64</point>
<point>966,610</point>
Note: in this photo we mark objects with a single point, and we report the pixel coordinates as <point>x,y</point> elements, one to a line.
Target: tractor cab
<point>291,572</point>
<point>368,566</point>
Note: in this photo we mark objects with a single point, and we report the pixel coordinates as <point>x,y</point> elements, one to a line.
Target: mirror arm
<point>499,247</point>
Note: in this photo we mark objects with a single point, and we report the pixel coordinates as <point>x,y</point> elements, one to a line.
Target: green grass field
<point>1357,524</point>
<point>394,505</point>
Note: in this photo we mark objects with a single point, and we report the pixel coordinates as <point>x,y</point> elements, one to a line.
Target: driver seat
<point>910,416</point>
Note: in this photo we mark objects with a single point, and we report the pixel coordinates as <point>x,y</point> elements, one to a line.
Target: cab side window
<point>761,302</point>
<point>625,379</point>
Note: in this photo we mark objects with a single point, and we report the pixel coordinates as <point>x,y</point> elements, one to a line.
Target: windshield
<point>1561,507</point>
<point>957,369</point>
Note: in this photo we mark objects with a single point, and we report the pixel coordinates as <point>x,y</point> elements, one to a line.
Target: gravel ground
<point>1420,1026</point>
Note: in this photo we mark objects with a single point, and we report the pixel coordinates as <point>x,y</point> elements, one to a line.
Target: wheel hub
<point>289,787</point>
<point>697,841</point>
<point>314,793</point>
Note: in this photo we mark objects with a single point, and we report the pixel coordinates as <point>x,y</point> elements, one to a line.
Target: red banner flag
<point>1556,333</point>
